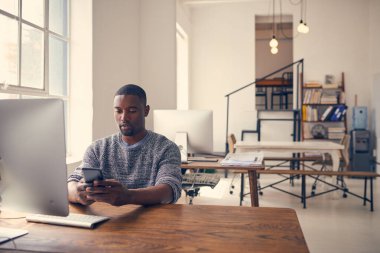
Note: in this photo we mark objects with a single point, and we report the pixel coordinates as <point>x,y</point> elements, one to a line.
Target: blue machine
<point>360,149</point>
<point>359,118</point>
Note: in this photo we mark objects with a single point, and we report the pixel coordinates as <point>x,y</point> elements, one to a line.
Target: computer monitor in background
<point>191,130</point>
<point>33,156</point>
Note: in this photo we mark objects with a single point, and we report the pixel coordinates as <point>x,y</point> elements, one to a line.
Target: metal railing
<point>297,85</point>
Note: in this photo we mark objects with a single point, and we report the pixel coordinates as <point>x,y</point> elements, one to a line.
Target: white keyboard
<point>73,219</point>
<point>202,159</point>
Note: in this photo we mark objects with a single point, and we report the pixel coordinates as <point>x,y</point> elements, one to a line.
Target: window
<point>34,48</point>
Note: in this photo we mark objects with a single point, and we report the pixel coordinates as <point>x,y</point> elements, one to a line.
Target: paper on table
<point>246,158</point>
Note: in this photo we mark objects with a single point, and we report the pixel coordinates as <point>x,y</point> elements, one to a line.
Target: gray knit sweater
<point>152,161</point>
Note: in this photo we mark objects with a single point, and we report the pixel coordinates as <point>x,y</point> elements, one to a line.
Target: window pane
<point>32,60</point>
<point>10,6</point>
<point>57,66</point>
<point>58,16</point>
<point>33,11</point>
<point>8,50</point>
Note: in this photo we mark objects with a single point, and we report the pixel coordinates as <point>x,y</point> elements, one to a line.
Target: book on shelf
<point>327,113</point>
<point>312,96</point>
<point>309,113</point>
<point>329,97</point>
<point>330,86</point>
<point>339,112</point>
<point>312,84</point>
<point>336,135</point>
<point>336,129</point>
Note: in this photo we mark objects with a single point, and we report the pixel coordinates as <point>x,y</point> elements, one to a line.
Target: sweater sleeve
<point>89,160</point>
<point>169,171</point>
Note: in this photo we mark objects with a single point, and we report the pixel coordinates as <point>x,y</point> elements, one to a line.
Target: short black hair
<point>132,89</point>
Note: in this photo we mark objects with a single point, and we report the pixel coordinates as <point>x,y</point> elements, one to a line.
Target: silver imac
<point>191,130</point>
<point>33,156</point>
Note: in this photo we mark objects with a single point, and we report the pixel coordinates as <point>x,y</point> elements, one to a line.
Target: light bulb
<point>305,28</point>
<point>300,27</point>
<point>273,42</point>
<point>274,50</point>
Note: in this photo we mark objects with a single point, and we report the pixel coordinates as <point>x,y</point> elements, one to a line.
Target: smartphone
<point>91,174</point>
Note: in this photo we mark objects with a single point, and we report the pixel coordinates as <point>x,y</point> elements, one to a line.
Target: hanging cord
<point>304,12</point>
<point>299,2</point>
<point>273,23</point>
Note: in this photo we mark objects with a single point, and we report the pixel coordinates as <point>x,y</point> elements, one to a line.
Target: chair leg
<point>365,191</point>
<point>371,192</point>
<point>232,186</point>
<point>286,100</point>
<point>266,101</point>
<point>271,101</point>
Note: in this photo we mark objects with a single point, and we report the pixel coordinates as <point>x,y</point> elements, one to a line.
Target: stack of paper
<point>243,159</point>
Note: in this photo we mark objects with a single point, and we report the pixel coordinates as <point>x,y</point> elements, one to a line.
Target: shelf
<point>314,122</point>
<point>323,104</point>
<point>324,113</point>
<point>314,139</point>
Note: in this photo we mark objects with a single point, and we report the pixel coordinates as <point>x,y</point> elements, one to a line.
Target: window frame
<point>24,91</point>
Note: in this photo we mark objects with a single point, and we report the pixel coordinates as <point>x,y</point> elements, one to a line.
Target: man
<point>139,166</point>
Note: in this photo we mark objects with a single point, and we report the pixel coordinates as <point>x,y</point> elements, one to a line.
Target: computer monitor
<point>191,130</point>
<point>33,156</point>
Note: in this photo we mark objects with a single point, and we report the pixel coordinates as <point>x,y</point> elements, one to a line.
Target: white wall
<point>134,42</point>
<point>116,58</point>
<point>81,112</point>
<point>222,60</point>
<point>158,54</point>
<point>223,53</point>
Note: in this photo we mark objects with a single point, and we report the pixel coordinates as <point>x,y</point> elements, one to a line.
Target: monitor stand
<point>181,141</point>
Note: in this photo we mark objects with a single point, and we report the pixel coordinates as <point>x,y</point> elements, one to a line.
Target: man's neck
<point>135,138</point>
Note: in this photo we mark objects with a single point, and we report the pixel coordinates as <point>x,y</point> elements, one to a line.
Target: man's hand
<point>114,193</point>
<point>109,191</point>
<point>78,194</point>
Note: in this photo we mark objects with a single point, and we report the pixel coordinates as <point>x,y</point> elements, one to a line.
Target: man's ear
<point>146,111</point>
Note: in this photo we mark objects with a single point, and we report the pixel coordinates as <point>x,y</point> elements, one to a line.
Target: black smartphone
<point>91,174</point>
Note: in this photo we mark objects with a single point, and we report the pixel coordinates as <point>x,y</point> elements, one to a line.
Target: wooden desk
<point>295,147</point>
<point>252,174</point>
<point>276,82</point>
<point>169,228</point>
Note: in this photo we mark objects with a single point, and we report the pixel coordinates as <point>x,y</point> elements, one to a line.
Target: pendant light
<point>302,27</point>
<point>273,43</point>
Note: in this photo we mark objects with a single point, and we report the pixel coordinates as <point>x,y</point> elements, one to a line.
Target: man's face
<point>130,113</point>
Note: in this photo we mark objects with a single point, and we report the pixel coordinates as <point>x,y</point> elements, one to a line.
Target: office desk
<point>252,174</point>
<point>295,147</point>
<point>169,228</point>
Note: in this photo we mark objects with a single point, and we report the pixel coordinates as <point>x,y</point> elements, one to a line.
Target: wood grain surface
<point>169,228</point>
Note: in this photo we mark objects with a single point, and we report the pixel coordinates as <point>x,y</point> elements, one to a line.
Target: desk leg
<point>253,188</point>
<point>335,160</point>
<point>335,167</point>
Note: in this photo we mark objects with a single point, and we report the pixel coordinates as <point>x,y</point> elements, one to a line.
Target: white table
<point>329,147</point>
